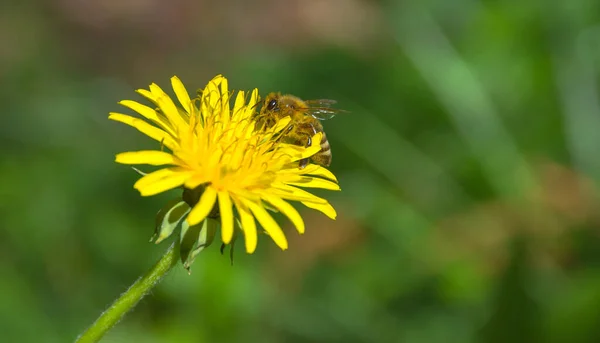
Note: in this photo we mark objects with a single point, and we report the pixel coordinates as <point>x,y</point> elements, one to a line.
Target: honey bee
<point>306,116</point>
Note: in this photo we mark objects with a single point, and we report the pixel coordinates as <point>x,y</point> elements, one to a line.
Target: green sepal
<point>168,219</point>
<point>231,246</point>
<point>139,171</point>
<point>196,238</point>
<point>238,227</point>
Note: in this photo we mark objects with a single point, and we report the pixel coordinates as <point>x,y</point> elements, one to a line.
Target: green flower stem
<point>131,297</point>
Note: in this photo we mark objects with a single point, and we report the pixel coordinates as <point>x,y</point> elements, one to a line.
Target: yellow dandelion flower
<point>228,166</point>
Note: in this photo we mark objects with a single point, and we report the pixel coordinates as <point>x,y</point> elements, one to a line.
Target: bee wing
<point>320,102</point>
<point>320,109</point>
<point>323,113</point>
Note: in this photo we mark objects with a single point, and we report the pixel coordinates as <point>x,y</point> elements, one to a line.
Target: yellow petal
<point>147,94</point>
<point>184,114</point>
<point>293,193</point>
<point>212,92</point>
<point>148,113</point>
<point>155,176</point>
<point>167,106</point>
<point>217,79</point>
<point>151,157</point>
<point>238,106</point>
<point>226,217</point>
<point>287,209</point>
<point>248,226</point>
<point>315,146</point>
<point>317,170</point>
<point>326,209</point>
<point>196,180</point>
<point>204,108</point>
<point>281,124</point>
<point>181,93</point>
<point>143,110</point>
<point>225,114</point>
<point>203,207</point>
<point>163,184</point>
<point>297,152</point>
<point>269,224</point>
<point>251,104</point>
<point>151,131</point>
<point>314,182</point>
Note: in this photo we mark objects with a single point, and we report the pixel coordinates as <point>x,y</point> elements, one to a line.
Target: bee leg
<point>304,162</point>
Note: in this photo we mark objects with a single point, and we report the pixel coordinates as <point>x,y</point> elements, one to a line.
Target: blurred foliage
<point>468,164</point>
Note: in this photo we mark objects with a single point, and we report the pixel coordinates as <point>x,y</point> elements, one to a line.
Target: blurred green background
<point>468,167</point>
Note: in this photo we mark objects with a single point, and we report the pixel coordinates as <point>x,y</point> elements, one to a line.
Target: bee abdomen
<point>325,147</point>
<point>323,157</point>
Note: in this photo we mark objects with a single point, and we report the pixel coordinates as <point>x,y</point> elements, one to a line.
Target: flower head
<point>229,167</point>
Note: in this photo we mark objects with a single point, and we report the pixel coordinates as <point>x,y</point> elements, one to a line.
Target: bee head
<point>272,102</point>
<point>272,105</point>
